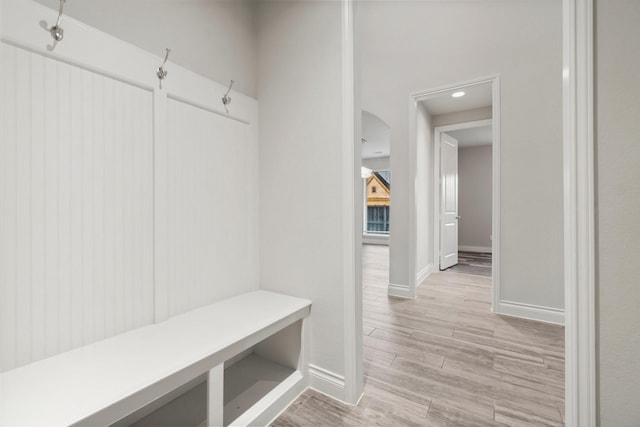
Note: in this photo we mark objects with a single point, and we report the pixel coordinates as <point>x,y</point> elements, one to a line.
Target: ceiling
<point>473,137</point>
<point>377,135</point>
<point>476,96</point>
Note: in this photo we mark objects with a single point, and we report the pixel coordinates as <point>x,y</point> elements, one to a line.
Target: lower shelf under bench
<point>251,386</point>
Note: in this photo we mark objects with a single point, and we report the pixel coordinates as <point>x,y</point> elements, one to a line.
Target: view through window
<point>378,196</point>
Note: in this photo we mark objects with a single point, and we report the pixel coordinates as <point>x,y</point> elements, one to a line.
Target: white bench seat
<point>101,383</point>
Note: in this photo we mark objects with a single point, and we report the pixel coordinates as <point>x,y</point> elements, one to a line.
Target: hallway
<point>444,359</point>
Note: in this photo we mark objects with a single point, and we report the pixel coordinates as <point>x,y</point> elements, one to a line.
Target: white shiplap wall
<point>119,204</point>
<point>76,195</point>
<point>208,193</point>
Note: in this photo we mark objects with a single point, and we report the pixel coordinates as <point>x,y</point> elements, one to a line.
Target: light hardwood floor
<point>478,264</point>
<point>444,359</point>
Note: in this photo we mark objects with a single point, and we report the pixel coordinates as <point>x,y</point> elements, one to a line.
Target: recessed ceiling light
<point>457,94</point>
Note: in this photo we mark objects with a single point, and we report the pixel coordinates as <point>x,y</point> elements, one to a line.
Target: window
<point>378,219</point>
<point>378,192</point>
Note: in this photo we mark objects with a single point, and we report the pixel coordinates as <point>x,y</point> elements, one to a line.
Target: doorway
<point>577,72</point>
<point>467,149</point>
<point>468,111</point>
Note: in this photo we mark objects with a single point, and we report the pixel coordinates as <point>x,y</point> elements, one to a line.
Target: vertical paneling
<point>76,207</point>
<point>23,204</point>
<point>208,194</point>
<point>78,233</point>
<point>62,114</point>
<point>145,309</point>
<point>87,172</point>
<point>51,209</point>
<point>99,161</point>
<point>8,208</point>
<point>110,254</point>
<point>38,204</point>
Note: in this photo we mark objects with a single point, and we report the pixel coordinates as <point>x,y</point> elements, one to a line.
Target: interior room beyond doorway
<point>456,127</point>
<point>475,154</point>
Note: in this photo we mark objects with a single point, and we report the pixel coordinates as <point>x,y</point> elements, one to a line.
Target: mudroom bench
<point>258,337</point>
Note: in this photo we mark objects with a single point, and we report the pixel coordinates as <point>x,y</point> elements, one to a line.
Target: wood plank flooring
<point>444,359</point>
<point>478,264</point>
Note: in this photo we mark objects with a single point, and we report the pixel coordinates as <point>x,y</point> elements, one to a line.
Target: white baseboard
<point>327,382</point>
<point>423,274</point>
<point>400,291</point>
<point>532,312</point>
<point>479,249</point>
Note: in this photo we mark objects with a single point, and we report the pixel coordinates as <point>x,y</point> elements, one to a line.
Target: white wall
<point>213,38</point>
<point>489,38</point>
<point>301,201</point>
<point>475,197</point>
<point>618,198</point>
<point>424,193</point>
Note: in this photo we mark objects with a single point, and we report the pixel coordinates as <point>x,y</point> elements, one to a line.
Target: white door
<point>448,201</point>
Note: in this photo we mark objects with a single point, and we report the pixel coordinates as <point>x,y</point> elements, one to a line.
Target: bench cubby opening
<point>260,377</point>
<point>253,380</point>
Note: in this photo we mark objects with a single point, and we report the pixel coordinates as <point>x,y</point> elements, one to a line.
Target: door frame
<point>495,209</point>
<point>495,189</point>
<point>579,214</point>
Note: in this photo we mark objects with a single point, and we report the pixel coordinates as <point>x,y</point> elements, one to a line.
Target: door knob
<point>458,217</point>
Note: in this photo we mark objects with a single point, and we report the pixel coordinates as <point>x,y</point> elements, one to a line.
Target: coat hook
<point>161,72</point>
<point>57,32</point>
<point>226,99</point>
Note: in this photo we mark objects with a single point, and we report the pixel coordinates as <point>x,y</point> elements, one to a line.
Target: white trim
<point>530,311</point>
<point>495,170</point>
<point>353,383</point>
<point>465,125</point>
<point>579,208</point>
<point>496,195</point>
<point>133,65</point>
<point>19,29</point>
<point>327,382</point>
<point>423,274</point>
<point>273,404</point>
<point>400,291</point>
<point>276,416</point>
<point>476,249</point>
<point>432,93</point>
<point>408,290</point>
